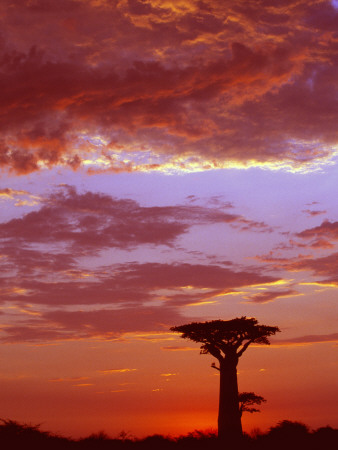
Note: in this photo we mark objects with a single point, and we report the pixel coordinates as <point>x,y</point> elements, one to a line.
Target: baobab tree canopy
<point>221,337</point>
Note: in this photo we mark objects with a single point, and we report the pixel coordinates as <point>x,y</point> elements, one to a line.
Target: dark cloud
<point>326,230</point>
<point>42,257</point>
<point>117,322</point>
<point>129,288</point>
<point>313,213</point>
<point>199,83</point>
<point>194,275</point>
<point>107,304</point>
<point>309,339</point>
<point>326,266</point>
<point>269,296</point>
<point>322,236</point>
<point>28,261</point>
<point>133,284</point>
<point>105,324</point>
<point>94,221</point>
<point>37,331</point>
<point>174,348</point>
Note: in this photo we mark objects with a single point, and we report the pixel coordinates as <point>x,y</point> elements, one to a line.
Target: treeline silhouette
<point>285,435</point>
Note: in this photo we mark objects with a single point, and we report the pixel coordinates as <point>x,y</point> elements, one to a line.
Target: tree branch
<point>213,365</point>
<point>209,348</point>
<point>245,346</point>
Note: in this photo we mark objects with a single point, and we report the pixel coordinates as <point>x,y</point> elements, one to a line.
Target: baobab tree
<point>227,340</point>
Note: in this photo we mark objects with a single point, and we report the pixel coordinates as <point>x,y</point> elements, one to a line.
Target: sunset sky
<point>162,162</point>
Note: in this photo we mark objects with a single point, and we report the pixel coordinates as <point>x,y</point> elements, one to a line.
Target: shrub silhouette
<point>288,433</point>
<point>325,438</point>
<point>286,428</point>
<point>14,435</point>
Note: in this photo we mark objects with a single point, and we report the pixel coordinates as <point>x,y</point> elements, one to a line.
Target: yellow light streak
<point>201,303</point>
<point>272,283</point>
<point>320,283</point>
<point>108,371</point>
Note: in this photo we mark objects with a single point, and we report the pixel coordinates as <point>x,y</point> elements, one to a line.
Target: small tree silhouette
<point>227,340</point>
<point>247,400</point>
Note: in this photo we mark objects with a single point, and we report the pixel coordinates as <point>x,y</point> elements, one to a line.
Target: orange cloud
<point>11,193</point>
<point>21,197</point>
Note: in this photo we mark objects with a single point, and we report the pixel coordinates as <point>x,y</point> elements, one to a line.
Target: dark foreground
<point>285,435</point>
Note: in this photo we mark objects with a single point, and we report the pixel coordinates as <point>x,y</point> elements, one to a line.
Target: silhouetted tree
<point>227,340</point>
<point>289,433</point>
<point>247,400</point>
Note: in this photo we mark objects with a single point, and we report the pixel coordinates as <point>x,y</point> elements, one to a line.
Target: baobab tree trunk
<point>229,417</point>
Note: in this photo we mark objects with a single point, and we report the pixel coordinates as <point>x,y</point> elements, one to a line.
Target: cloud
<point>309,339</point>
<point>326,266</point>
<point>132,298</point>
<point>28,261</point>
<point>327,229</point>
<point>55,298</point>
<point>105,324</point>
<point>22,198</point>
<point>94,221</point>
<point>8,193</point>
<point>313,213</point>
<point>37,331</point>
<point>200,85</point>
<point>173,348</point>
<point>320,237</point>
<point>132,284</point>
<point>269,296</point>
<point>110,371</point>
<point>67,379</point>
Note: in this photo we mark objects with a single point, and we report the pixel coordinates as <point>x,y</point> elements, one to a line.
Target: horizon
<point>11,429</point>
<point>165,162</point>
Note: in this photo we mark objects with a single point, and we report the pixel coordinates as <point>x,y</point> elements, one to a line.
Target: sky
<point>163,162</point>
